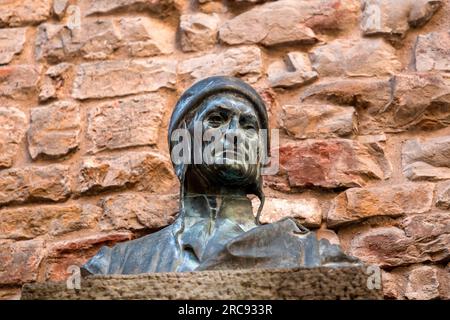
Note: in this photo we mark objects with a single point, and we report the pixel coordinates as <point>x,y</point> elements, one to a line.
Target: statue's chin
<point>231,173</point>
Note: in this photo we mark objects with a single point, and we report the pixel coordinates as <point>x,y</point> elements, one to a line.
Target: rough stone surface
<point>427,160</point>
<point>54,130</point>
<point>351,57</point>
<point>318,121</point>
<point>41,183</point>
<point>76,251</point>
<point>339,283</point>
<point>19,261</point>
<point>54,81</point>
<point>245,62</point>
<point>125,123</point>
<point>103,38</point>
<point>135,211</point>
<point>11,43</point>
<point>425,238</point>
<point>119,78</point>
<point>295,70</point>
<point>432,52</point>
<point>55,220</point>
<point>18,82</point>
<point>395,17</point>
<point>356,204</point>
<point>198,31</point>
<point>12,130</point>
<point>307,211</point>
<point>287,21</point>
<point>332,163</point>
<point>423,284</point>
<point>15,13</point>
<point>443,195</point>
<point>147,171</point>
<point>109,6</point>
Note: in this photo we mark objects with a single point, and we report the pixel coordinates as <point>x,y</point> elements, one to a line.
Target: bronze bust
<point>216,227</point>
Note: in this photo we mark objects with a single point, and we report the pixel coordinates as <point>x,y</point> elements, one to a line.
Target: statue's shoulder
<point>148,250</point>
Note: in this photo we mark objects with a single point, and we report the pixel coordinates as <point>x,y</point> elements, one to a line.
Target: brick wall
<point>360,91</point>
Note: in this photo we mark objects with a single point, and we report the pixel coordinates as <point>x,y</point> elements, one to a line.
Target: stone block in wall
<point>396,17</point>
<point>61,254</point>
<point>136,211</point>
<point>56,82</point>
<point>103,38</point>
<point>294,70</point>
<point>12,41</point>
<point>443,195</point>
<point>34,183</point>
<point>417,282</point>
<point>54,130</point>
<point>147,171</point>
<point>357,204</point>
<point>198,31</point>
<point>16,13</point>
<point>125,123</point>
<point>355,57</point>
<point>288,21</point>
<point>18,82</point>
<point>54,220</point>
<point>432,52</point>
<point>110,6</point>
<point>123,77</point>
<point>244,61</point>
<point>330,163</point>
<point>13,124</point>
<point>304,121</point>
<point>20,261</point>
<point>425,238</point>
<point>427,159</point>
<point>307,211</point>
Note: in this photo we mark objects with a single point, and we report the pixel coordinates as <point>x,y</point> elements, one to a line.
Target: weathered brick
<point>11,43</point>
<point>426,238</point>
<point>18,82</point>
<point>331,163</point>
<point>295,70</point>
<point>15,13</point>
<point>41,183</point>
<point>198,31</point>
<point>245,62</point>
<point>54,129</point>
<point>395,17</point>
<point>55,82</point>
<point>427,160</point>
<point>12,130</point>
<point>135,211</point>
<point>357,204</point>
<point>318,121</point>
<point>55,220</point>
<point>20,261</point>
<point>147,171</point>
<point>432,52</point>
<point>76,252</point>
<point>307,210</point>
<point>361,57</point>
<point>119,78</point>
<point>288,21</point>
<point>124,123</point>
<point>109,6</point>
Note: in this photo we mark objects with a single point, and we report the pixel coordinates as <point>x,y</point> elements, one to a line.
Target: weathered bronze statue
<point>216,227</point>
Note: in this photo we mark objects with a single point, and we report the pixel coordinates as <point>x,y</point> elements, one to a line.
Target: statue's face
<point>232,130</point>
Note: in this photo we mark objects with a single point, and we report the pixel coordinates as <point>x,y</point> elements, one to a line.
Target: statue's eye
<point>247,123</point>
<point>216,119</point>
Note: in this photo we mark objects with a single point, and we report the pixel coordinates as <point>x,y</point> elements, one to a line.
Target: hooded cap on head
<point>207,87</point>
